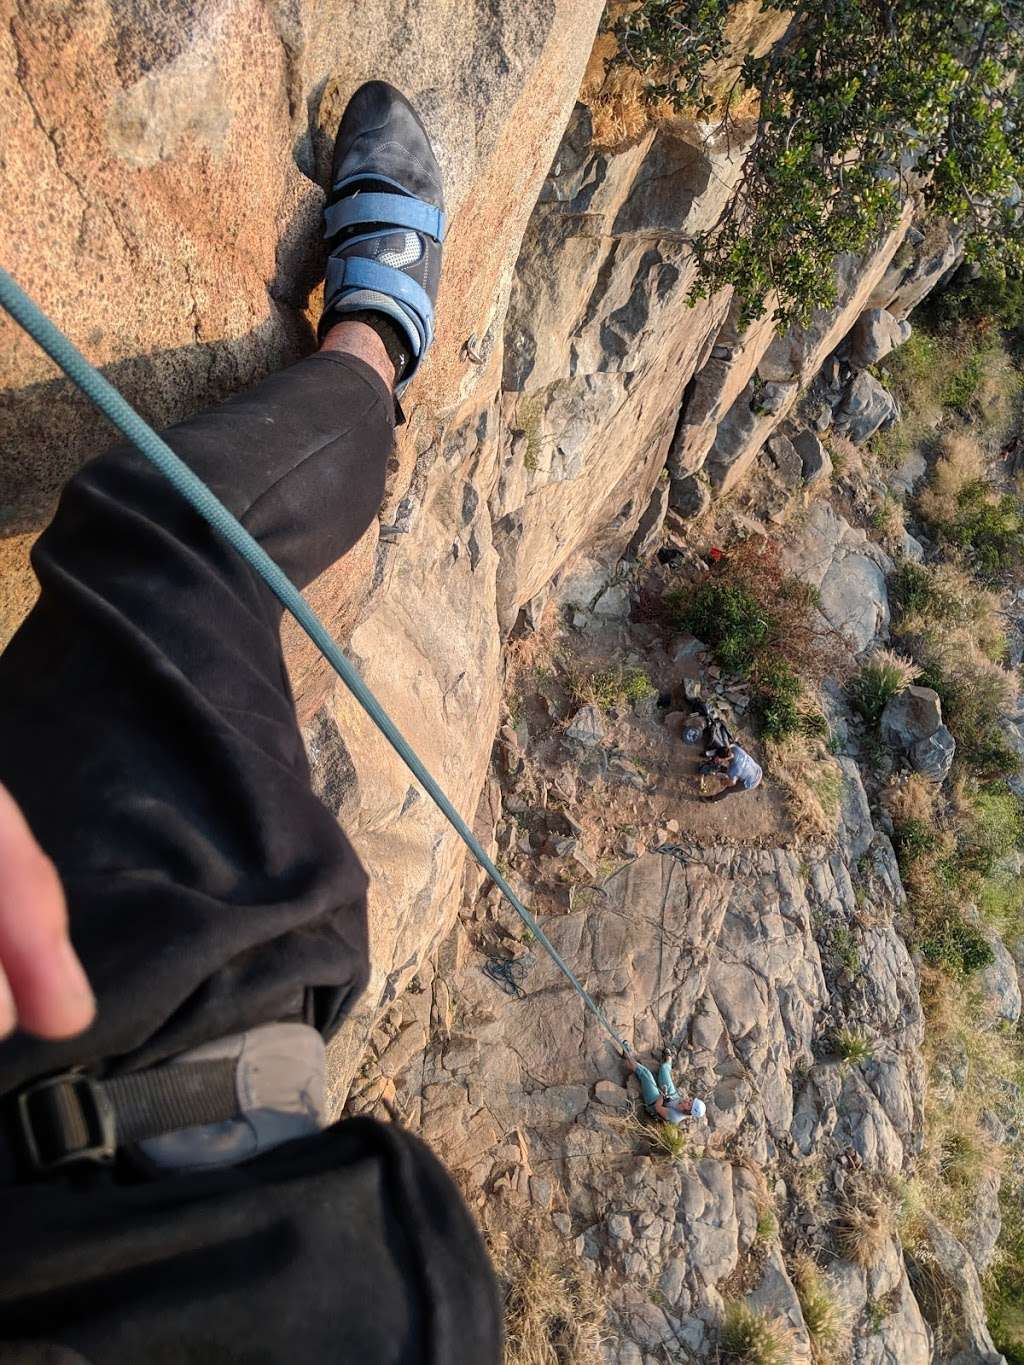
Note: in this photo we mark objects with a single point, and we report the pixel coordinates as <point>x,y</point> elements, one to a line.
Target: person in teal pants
<point>661,1096</point>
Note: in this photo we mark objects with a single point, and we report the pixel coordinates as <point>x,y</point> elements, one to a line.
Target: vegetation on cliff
<point>854,106</point>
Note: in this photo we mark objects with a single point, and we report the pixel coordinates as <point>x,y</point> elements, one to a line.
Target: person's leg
<point>148,733</point>
<point>648,1088</point>
<point>665,1080</point>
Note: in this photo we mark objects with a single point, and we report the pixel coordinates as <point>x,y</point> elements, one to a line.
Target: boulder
<point>855,600</point>
<point>946,1282</point>
<point>912,549</point>
<point>689,497</point>
<point>909,474</point>
<point>933,757</point>
<point>998,983</point>
<point>815,461</point>
<point>773,398</point>
<point>854,811</point>
<point>865,407</point>
<point>875,333</point>
<point>927,257</point>
<point>587,727</point>
<point>913,715</point>
<point>784,457</point>
<point>848,570</point>
<point>613,602</point>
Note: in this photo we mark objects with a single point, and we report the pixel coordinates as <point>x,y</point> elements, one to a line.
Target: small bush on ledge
<point>763,625</point>
<point>608,687</point>
<point>884,676</point>
<point>750,1337</point>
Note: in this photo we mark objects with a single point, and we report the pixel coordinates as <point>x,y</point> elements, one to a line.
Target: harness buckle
<point>63,1120</point>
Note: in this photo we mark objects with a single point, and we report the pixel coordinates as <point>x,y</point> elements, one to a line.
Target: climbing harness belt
<point>56,345</point>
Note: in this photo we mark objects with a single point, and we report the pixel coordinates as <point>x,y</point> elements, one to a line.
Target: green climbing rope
<point>56,345</point>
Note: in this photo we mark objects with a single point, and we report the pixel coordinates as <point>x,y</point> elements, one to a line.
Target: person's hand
<point>42,985</point>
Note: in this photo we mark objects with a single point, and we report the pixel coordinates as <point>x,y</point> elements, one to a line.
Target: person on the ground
<point>661,1096</point>
<point>159,788</point>
<point>740,770</point>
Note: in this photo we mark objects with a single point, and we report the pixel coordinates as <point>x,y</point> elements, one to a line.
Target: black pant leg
<point>147,727</point>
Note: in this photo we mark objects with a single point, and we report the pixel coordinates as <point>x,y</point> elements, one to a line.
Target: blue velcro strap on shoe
<point>359,272</point>
<point>392,210</point>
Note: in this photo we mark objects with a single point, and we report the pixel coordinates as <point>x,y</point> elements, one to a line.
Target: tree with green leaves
<point>860,104</point>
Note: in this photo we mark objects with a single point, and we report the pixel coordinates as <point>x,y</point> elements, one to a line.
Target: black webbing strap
<point>66,1119</point>
<point>166,1098</point>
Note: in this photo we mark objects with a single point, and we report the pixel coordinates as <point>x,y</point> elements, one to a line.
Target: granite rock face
<point>849,571</point>
<point>160,196</point>
<point>716,952</point>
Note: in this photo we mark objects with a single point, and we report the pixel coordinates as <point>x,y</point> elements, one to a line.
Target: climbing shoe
<point>384,224</point>
<point>666,1054</point>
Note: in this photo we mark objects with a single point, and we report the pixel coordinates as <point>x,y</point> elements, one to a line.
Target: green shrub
<point>750,1337</point>
<point>916,590</point>
<point>1001,903</point>
<point>777,701</point>
<point>914,839</point>
<point>990,528</point>
<point>671,1140</point>
<point>845,950</point>
<point>891,446</point>
<point>991,304</point>
<point>762,625</point>
<point>993,828</point>
<point>841,98</point>
<point>767,1226</point>
<point>956,946</point>
<point>608,687</point>
<point>882,677</point>
<point>727,617</point>
<point>912,367</point>
<point>962,389</point>
<point>853,1047</point>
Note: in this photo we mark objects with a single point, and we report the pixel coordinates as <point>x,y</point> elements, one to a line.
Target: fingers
<point>42,985</point>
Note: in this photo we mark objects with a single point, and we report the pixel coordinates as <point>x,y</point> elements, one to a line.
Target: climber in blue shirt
<point>661,1097</point>
<point>736,764</point>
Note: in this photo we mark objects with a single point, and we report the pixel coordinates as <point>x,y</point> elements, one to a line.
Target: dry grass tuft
<point>616,95</point>
<point>669,1140</point>
<point>620,98</point>
<point>926,595</point>
<point>866,1224</point>
<point>811,780</point>
<point>620,110</point>
<point>882,676</point>
<point>961,462</point>
<point>888,521</point>
<point>912,798</point>
<point>974,1065</point>
<point>750,1337</point>
<point>617,685</point>
<point>826,1317</point>
<point>554,1307</point>
<point>847,458</point>
<point>529,658</point>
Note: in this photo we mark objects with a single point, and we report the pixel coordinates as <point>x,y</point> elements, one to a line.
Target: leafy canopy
<point>859,104</point>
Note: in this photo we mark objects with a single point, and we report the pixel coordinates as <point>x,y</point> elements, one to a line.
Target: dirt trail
<point>638,788</point>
